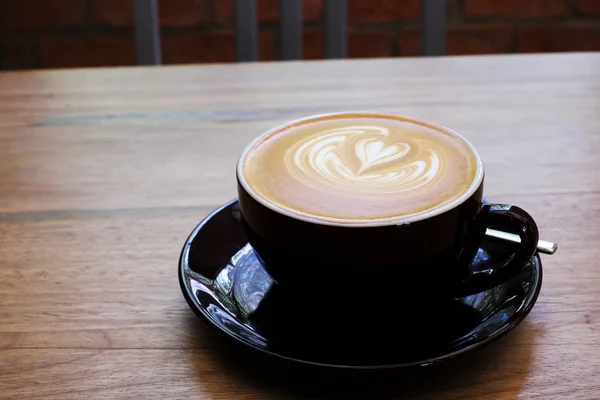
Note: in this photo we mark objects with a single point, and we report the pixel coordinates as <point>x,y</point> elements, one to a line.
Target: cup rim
<point>390,221</point>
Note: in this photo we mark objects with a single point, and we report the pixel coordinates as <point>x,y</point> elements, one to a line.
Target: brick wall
<point>76,33</point>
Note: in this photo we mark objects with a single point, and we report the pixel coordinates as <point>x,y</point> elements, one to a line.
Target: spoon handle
<point>543,246</point>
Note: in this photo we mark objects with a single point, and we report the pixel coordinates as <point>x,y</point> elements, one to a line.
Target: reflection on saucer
<point>227,285</point>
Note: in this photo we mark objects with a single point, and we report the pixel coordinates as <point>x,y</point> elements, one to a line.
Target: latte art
<point>359,168</point>
<point>365,159</point>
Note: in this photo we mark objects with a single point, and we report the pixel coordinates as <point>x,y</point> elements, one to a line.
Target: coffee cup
<point>387,201</point>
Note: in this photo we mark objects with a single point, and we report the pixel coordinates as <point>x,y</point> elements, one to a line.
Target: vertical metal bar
<point>290,29</point>
<point>335,29</point>
<point>433,27</point>
<point>246,30</point>
<point>147,32</point>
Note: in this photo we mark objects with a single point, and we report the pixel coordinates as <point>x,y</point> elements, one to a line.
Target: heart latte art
<point>364,159</point>
<point>356,168</point>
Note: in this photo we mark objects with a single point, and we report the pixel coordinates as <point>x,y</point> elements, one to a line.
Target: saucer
<point>226,285</point>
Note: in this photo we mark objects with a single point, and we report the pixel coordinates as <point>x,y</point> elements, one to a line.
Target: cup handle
<point>507,216</point>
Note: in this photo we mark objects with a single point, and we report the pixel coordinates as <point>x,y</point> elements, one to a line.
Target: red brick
<point>474,39</point>
<point>567,38</point>
<point>41,14</point>
<point>198,47</point>
<point>313,43</point>
<point>369,44</point>
<point>589,8</point>
<point>267,46</point>
<point>408,44</point>
<point>17,54</point>
<point>181,12</point>
<point>485,39</point>
<point>95,51</point>
<point>361,44</point>
<point>514,8</point>
<point>266,10</point>
<point>116,13</point>
<point>211,47</point>
<point>383,10</point>
<point>171,13</point>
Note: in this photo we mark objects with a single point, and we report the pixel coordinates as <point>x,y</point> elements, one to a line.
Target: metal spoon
<point>543,245</point>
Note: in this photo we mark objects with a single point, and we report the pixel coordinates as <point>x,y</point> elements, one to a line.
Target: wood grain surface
<point>103,174</point>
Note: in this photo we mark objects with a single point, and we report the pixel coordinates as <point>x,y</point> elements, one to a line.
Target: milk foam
<point>360,169</point>
<point>366,159</point>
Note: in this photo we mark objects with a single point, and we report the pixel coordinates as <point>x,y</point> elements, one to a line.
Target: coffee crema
<point>354,168</point>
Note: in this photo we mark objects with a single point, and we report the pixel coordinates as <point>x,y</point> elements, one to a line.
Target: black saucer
<point>227,287</point>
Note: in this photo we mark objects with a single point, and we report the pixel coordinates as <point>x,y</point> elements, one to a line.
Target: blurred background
<point>89,33</point>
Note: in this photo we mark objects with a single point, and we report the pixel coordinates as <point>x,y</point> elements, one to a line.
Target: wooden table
<point>103,174</point>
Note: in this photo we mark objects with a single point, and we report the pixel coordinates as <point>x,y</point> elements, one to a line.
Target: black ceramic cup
<point>432,254</point>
